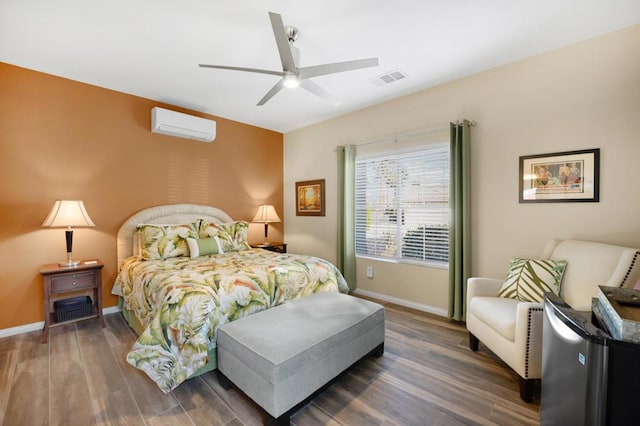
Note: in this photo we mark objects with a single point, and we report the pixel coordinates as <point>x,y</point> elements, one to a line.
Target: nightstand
<point>60,281</point>
<point>277,247</point>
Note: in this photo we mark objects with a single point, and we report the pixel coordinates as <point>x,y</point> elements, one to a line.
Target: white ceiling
<point>152,48</point>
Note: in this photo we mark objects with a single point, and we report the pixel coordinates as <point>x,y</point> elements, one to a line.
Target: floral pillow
<point>232,235</point>
<point>529,279</point>
<point>165,241</point>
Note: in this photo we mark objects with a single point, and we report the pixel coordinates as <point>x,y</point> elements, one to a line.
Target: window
<point>402,205</point>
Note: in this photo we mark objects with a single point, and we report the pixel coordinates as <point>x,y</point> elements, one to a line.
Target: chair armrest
<point>626,272</point>
<point>478,286</point>
<point>528,339</point>
<point>523,311</point>
<point>529,321</point>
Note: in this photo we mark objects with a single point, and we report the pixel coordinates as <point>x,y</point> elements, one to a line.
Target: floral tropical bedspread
<point>181,302</point>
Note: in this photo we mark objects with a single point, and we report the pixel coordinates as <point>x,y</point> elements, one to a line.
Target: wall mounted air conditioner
<point>175,123</point>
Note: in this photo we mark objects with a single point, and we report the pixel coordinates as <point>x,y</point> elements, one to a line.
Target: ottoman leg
<point>223,380</point>
<point>283,420</point>
<point>378,351</point>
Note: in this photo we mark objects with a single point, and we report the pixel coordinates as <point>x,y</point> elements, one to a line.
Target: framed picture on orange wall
<point>310,198</point>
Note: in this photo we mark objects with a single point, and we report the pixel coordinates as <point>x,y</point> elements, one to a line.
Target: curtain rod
<point>411,135</point>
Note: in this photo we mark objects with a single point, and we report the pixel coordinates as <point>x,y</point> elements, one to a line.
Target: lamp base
<point>69,263</point>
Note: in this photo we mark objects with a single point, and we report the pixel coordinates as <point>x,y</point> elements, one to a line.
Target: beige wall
<point>61,139</point>
<point>580,97</point>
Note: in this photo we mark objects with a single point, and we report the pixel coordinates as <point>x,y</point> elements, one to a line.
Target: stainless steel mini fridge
<point>588,377</point>
<point>574,367</point>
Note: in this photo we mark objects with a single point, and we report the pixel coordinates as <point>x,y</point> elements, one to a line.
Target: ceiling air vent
<point>389,77</point>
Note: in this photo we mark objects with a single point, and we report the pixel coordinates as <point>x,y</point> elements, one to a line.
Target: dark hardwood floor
<point>427,376</point>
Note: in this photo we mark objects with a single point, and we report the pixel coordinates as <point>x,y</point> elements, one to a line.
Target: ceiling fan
<point>292,76</point>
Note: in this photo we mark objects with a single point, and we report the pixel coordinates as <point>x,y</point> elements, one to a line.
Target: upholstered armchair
<point>512,329</point>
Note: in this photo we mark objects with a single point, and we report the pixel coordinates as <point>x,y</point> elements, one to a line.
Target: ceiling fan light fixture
<point>293,75</point>
<point>291,81</point>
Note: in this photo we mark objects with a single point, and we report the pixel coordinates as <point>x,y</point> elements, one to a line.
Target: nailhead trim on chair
<point>633,262</point>
<point>526,358</point>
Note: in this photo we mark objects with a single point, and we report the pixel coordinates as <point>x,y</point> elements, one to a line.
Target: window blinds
<point>402,205</point>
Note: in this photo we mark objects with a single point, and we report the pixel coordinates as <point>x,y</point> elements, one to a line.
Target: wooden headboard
<point>166,215</point>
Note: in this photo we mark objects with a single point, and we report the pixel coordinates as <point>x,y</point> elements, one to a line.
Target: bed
<point>184,270</point>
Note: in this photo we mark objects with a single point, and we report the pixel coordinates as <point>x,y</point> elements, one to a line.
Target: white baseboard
<point>6,332</point>
<point>403,302</point>
<point>111,310</point>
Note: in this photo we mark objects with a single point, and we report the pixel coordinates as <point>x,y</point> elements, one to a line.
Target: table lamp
<point>68,213</point>
<point>266,214</point>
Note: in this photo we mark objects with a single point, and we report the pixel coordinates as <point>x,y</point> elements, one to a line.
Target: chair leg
<point>473,342</point>
<point>526,389</point>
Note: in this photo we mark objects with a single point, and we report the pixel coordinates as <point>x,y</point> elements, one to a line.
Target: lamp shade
<point>266,214</point>
<point>66,213</point>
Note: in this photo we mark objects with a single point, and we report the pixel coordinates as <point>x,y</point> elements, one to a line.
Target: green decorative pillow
<point>203,246</point>
<point>528,279</point>
<point>232,236</point>
<point>165,241</point>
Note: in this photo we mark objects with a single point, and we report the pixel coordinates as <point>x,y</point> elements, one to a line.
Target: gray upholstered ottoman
<point>281,356</point>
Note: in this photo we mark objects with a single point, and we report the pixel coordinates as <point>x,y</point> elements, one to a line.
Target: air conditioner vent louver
<point>389,77</point>
<point>181,125</point>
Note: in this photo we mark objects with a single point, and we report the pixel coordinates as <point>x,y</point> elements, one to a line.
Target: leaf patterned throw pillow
<point>528,279</point>
<point>232,236</point>
<point>165,241</point>
<point>236,235</point>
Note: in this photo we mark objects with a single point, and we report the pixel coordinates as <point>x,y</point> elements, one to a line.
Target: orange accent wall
<point>61,139</point>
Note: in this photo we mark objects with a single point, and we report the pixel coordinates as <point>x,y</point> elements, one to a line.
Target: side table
<point>60,280</point>
<point>277,247</point>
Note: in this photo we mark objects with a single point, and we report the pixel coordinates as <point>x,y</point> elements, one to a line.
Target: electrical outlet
<point>370,272</point>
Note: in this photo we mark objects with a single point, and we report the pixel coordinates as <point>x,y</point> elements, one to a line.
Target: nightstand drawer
<point>75,281</point>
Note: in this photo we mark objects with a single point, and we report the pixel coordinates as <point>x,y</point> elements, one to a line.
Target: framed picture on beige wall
<point>310,198</point>
<point>560,177</point>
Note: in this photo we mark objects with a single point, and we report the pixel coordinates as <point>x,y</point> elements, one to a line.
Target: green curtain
<point>346,213</point>
<point>459,229</point>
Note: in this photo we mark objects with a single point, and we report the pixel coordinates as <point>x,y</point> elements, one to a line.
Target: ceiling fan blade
<point>256,70</point>
<point>318,70</point>
<point>271,93</point>
<point>286,56</point>
<point>319,91</point>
